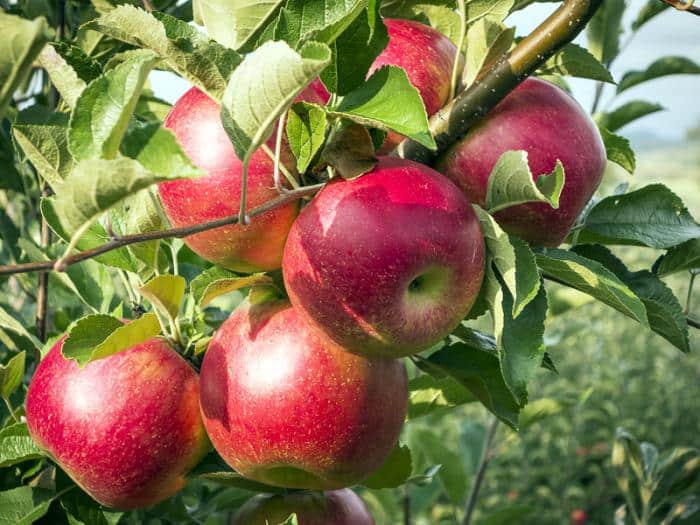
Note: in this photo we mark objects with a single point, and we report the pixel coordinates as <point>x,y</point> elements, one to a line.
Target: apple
<point>579,517</point>
<point>386,264</point>
<point>125,428</point>
<point>340,507</point>
<point>549,125</point>
<point>196,123</point>
<point>285,406</point>
<point>428,58</point>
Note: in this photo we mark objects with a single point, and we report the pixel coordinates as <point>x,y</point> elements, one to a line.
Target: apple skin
<point>579,517</point>
<point>545,121</point>
<point>126,428</point>
<point>340,507</point>
<point>285,406</point>
<point>386,264</point>
<point>196,123</point>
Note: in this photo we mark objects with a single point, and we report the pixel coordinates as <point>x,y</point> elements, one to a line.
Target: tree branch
<point>684,6</point>
<point>126,240</point>
<point>481,471</point>
<point>454,120</point>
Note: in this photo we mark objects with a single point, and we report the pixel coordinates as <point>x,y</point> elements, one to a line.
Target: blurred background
<point>610,373</point>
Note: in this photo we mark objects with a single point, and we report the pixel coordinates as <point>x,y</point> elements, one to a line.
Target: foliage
<point>82,146</point>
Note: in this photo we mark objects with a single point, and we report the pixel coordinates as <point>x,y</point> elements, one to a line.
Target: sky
<point>670,33</point>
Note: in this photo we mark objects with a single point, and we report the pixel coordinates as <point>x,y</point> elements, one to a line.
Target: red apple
<point>126,428</point>
<point>285,406</point>
<point>195,121</point>
<point>386,264</point>
<point>579,517</point>
<point>545,121</point>
<point>340,507</point>
<point>425,54</point>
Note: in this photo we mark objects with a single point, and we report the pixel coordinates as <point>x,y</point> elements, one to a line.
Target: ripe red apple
<point>427,56</point>
<point>579,517</point>
<point>340,507</point>
<point>386,264</point>
<point>126,428</point>
<point>195,121</point>
<point>285,406</point>
<point>545,121</point>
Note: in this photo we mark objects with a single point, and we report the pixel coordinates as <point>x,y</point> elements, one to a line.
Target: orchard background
<point>583,406</point>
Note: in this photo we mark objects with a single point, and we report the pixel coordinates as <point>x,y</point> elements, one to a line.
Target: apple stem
<point>454,120</point>
<point>460,44</point>
<point>243,218</point>
<point>684,6</point>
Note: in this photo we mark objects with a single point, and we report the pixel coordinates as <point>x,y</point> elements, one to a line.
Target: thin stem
<point>406,504</point>
<point>127,240</point>
<point>287,174</point>
<point>689,298</point>
<point>481,471</point>
<point>600,86</point>
<point>242,217</point>
<point>460,44</point>
<point>12,410</point>
<point>59,266</point>
<point>454,120</point>
<point>278,152</point>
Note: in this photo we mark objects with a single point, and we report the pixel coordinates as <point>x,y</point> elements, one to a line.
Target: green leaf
<point>17,446</point>
<point>102,112</point>
<point>276,70</point>
<point>508,515</point>
<point>291,520</point>
<point>229,478</point>
<point>394,472</point>
<point>99,336</point>
<point>629,112</point>
<point>355,50</point>
<point>62,75</point>
<point>539,410</point>
<point>216,281</point>
<point>188,52</point>
<point>664,312</point>
<point>25,505</point>
<point>442,18</point>
<point>350,151</point>
<point>604,31</point>
<point>511,183</point>
<point>94,186</point>
<point>659,68</point>
<point>232,22</point>
<point>453,473</point>
<point>388,101</point>
<point>496,10</point>
<point>92,238</point>
<point>575,61</point>
<point>157,150</point>
<point>9,323</point>
<point>165,293</point>
<point>651,216</point>
<point>487,40</point>
<point>592,278</point>
<point>306,131</point>
<point>81,509</point>
<point>319,20</point>
<point>618,150</point>
<point>22,40</point>
<point>513,259</point>
<point>475,364</point>
<point>11,374</point>
<point>651,9</point>
<point>520,341</point>
<point>46,147</point>
<point>683,257</point>
<point>428,395</point>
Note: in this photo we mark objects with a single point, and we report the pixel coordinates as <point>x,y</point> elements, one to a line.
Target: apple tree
<point>225,310</point>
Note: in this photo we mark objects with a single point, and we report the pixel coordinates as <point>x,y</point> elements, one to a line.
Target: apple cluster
<point>310,392</point>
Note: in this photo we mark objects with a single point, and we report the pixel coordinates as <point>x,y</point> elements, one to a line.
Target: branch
<point>684,6</point>
<point>454,120</point>
<point>481,471</point>
<point>126,240</point>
